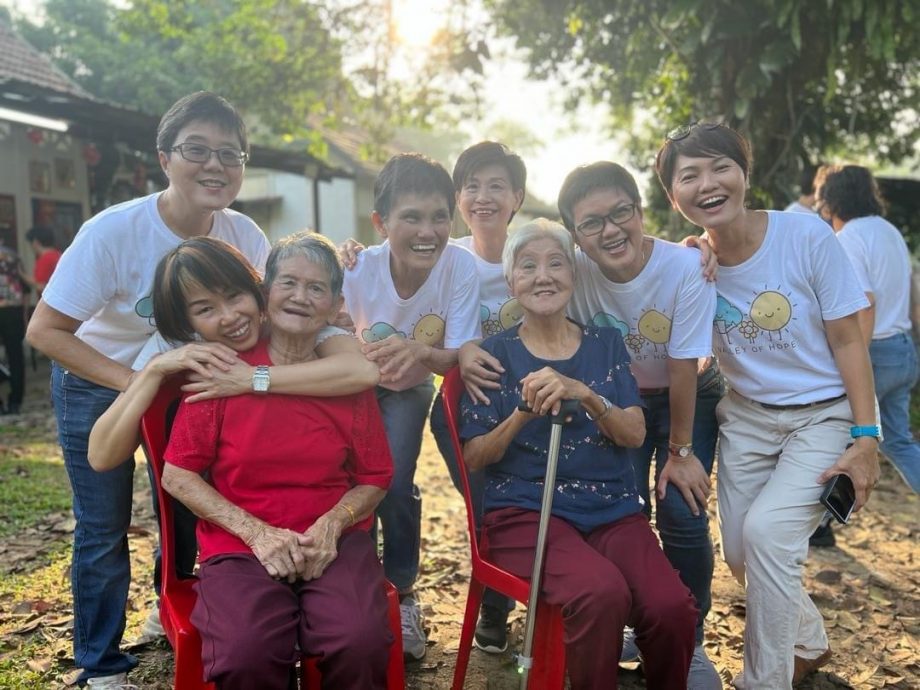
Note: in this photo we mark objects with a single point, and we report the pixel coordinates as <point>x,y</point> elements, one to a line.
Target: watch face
<point>684,452</point>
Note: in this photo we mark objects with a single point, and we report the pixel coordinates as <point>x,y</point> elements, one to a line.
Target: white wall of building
<point>280,202</point>
<point>337,209</point>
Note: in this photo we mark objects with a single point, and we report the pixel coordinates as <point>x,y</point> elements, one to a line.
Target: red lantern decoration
<point>36,136</point>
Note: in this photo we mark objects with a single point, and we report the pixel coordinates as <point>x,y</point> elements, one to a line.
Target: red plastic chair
<point>178,596</point>
<point>548,672</point>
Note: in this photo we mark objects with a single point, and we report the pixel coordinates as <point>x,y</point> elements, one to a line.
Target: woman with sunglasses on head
<point>800,409</point>
<point>94,318</point>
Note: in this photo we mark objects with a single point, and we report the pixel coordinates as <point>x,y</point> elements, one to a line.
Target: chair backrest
<point>155,427</point>
<point>451,392</point>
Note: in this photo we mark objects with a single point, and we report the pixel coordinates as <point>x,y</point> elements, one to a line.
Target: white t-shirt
<point>666,310</point>
<point>796,207</point>
<point>498,310</point>
<point>882,266</point>
<point>768,331</point>
<point>444,311</point>
<point>105,278</point>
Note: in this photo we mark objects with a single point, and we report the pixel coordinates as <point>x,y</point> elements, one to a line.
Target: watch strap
<point>680,450</point>
<point>872,430</point>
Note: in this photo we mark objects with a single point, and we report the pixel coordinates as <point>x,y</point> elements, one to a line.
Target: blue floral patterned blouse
<point>595,484</point>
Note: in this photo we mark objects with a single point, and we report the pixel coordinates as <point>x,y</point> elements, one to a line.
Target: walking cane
<point>566,410</point>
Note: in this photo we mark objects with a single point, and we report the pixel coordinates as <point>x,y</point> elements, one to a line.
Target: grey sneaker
<point>153,629</point>
<point>630,653</point>
<point>118,681</point>
<point>703,675</point>
<point>413,633</point>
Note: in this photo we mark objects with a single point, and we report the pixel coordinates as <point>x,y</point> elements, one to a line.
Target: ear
<point>379,225</point>
<point>163,157</point>
<point>337,306</point>
<point>518,199</point>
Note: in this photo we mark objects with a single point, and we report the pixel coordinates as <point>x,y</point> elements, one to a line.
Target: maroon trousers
<point>615,576</point>
<point>254,628</point>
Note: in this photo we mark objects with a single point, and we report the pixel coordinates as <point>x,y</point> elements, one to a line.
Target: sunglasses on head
<point>683,131</point>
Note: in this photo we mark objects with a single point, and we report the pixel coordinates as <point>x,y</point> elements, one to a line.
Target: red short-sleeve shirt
<point>45,265</point>
<point>286,459</point>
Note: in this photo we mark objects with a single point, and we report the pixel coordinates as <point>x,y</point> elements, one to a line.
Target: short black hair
<point>205,261</point>
<point>587,179</point>
<point>807,179</point>
<point>203,106</point>
<point>43,234</point>
<point>848,192</point>
<point>703,141</point>
<point>411,173</point>
<point>486,153</point>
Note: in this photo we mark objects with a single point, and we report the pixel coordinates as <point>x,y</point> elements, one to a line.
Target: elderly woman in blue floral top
<point>603,563</point>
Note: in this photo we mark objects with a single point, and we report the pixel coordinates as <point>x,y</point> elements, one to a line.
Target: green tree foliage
<point>804,79</point>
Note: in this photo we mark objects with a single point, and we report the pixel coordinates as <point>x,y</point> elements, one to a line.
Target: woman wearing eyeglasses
<point>94,318</point>
<point>801,406</point>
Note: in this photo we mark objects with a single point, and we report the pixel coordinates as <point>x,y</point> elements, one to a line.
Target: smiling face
<point>487,200</point>
<point>617,249</point>
<point>708,191</point>
<point>542,278</point>
<point>417,228</point>
<point>300,300</point>
<point>771,310</point>
<point>230,318</point>
<point>208,186</point>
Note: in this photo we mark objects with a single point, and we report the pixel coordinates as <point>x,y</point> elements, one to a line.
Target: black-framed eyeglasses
<point>683,131</point>
<point>618,216</point>
<point>199,153</point>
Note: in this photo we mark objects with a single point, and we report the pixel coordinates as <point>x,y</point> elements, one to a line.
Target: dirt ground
<point>868,588</point>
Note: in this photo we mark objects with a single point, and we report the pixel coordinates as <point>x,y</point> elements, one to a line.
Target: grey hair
<point>536,229</point>
<point>316,248</point>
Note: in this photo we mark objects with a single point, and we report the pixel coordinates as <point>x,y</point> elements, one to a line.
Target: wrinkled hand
<point>348,252</point>
<point>479,370</point>
<point>235,379</point>
<point>202,358</point>
<point>545,389</point>
<point>860,463</point>
<point>395,356</point>
<point>708,259</point>
<point>280,551</point>
<point>324,535</point>
<point>690,478</point>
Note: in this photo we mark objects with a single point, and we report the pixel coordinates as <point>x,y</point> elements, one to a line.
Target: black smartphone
<point>839,497</point>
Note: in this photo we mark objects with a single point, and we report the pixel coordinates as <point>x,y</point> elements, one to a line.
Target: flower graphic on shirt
<point>429,329</point>
<point>656,327</point>
<point>749,330</point>
<point>634,342</point>
<point>380,331</point>
<point>771,311</point>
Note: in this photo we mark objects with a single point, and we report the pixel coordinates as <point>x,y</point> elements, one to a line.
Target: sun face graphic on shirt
<point>510,313</point>
<point>655,327</point>
<point>771,311</point>
<point>429,329</point>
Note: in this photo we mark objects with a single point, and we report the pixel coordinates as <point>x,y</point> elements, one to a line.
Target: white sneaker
<point>153,629</point>
<point>413,634</point>
<point>703,675</point>
<point>630,653</point>
<point>119,681</point>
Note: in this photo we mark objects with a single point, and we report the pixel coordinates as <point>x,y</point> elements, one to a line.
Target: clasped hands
<point>289,555</point>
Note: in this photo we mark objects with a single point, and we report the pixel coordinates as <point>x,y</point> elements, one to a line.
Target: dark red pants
<point>251,624</point>
<point>615,576</point>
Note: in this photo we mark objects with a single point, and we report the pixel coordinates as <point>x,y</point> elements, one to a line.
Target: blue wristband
<point>858,431</point>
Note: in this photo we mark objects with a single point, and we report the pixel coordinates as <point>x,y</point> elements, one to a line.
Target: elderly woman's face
<point>542,277</point>
<point>300,299</point>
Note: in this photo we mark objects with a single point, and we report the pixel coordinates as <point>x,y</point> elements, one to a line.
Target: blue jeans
<point>400,512</point>
<point>684,537</point>
<point>477,488</point>
<point>101,569</point>
<point>894,365</point>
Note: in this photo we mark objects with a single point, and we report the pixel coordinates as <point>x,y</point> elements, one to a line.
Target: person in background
<point>654,293</point>
<point>603,565</point>
<point>41,239</point>
<point>849,199</point>
<point>414,300</point>
<point>12,327</point>
<point>800,409</point>
<point>806,201</point>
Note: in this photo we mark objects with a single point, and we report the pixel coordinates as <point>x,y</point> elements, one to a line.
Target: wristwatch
<point>607,407</point>
<point>680,450</point>
<point>260,379</point>
<point>874,431</point>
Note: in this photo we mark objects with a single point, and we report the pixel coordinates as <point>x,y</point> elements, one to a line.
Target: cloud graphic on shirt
<point>728,314</point>
<point>380,331</point>
<point>605,320</point>
<point>144,308</point>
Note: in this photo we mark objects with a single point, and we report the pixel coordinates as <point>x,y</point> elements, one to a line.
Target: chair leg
<point>548,650</point>
<point>473,600</point>
<point>396,671</point>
